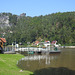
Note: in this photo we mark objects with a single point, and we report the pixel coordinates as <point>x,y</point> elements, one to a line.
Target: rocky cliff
<point>4,21</point>
<point>8,19</point>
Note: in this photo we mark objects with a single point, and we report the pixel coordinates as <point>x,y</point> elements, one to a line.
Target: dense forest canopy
<point>55,26</point>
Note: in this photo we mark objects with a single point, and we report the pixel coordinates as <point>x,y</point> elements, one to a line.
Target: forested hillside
<point>56,26</point>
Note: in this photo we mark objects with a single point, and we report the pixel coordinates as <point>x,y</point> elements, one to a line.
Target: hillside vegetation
<point>55,26</point>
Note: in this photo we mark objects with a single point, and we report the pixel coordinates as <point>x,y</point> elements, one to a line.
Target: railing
<point>35,49</point>
<point>9,49</point>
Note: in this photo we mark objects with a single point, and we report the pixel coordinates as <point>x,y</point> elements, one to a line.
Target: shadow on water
<point>54,71</point>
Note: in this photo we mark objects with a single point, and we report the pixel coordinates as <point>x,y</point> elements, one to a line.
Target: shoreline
<point>8,65</point>
<point>67,46</point>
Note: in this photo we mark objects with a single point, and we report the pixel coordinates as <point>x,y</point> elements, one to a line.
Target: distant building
<point>54,43</point>
<point>47,43</point>
<point>37,42</point>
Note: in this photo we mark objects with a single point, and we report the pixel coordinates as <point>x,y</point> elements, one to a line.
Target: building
<point>47,43</point>
<point>37,42</point>
<point>54,42</point>
<point>2,42</point>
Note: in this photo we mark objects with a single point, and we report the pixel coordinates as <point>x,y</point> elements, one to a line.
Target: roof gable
<point>3,40</point>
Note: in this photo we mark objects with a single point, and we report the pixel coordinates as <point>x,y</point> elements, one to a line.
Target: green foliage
<point>13,19</point>
<point>56,26</point>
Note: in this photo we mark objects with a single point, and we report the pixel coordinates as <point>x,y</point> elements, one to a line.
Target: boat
<point>30,52</point>
<point>54,51</point>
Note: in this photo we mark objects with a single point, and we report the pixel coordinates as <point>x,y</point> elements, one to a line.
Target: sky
<point>36,7</point>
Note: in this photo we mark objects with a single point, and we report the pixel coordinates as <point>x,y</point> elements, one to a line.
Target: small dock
<point>10,52</point>
<point>53,51</point>
<point>33,50</point>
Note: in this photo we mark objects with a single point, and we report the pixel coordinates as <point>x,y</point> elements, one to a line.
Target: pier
<point>37,50</point>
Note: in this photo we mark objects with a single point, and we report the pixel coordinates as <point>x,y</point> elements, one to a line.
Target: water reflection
<point>55,71</point>
<point>39,58</point>
<point>50,64</point>
<point>36,62</point>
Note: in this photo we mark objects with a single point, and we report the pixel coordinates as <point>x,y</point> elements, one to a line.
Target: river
<point>34,63</point>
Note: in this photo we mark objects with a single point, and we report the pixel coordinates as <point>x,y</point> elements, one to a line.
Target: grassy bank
<point>8,65</point>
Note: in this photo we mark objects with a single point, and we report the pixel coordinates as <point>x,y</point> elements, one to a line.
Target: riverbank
<point>67,46</point>
<point>8,65</point>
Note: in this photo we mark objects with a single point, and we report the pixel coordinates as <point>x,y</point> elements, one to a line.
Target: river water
<point>34,63</point>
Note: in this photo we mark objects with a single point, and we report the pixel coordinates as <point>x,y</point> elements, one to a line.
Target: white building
<point>47,43</point>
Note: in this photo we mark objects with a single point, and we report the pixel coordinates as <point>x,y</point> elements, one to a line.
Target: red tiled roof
<point>47,41</point>
<point>53,42</point>
<point>3,40</point>
<point>36,42</point>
